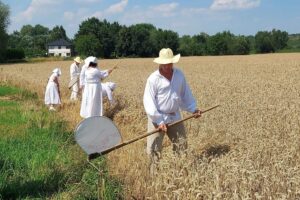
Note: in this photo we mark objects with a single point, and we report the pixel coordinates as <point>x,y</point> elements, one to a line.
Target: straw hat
<point>166,56</point>
<point>57,70</point>
<point>78,59</point>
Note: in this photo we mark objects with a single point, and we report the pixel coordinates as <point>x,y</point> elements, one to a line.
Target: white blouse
<point>94,75</point>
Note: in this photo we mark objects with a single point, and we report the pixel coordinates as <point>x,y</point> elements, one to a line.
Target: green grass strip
<point>39,158</point>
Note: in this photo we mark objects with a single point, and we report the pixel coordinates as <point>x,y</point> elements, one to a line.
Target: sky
<point>186,17</point>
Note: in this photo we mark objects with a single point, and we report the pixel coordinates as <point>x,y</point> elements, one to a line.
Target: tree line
<point>111,40</point>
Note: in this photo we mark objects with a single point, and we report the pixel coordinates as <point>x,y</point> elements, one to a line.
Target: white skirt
<point>91,104</point>
<point>51,94</point>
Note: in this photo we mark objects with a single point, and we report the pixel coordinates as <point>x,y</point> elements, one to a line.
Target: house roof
<point>60,42</point>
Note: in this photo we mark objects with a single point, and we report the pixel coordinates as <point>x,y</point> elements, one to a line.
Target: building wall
<point>59,51</point>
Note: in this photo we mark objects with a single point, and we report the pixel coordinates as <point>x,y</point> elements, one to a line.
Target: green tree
<point>219,44</point>
<point>263,42</point>
<point>186,44</point>
<point>124,42</point>
<point>4,22</point>
<point>279,39</point>
<point>104,32</point>
<point>58,32</point>
<point>166,39</point>
<point>33,39</point>
<point>88,45</point>
<point>240,46</point>
<point>200,44</point>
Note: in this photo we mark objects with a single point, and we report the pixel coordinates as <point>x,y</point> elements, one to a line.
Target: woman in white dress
<point>52,94</point>
<point>91,104</point>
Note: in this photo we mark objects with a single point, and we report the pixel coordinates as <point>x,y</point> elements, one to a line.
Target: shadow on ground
<point>214,151</point>
<point>20,189</point>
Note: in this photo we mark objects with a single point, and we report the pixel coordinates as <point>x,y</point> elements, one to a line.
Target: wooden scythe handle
<point>95,155</point>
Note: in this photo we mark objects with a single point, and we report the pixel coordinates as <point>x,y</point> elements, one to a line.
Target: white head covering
<point>57,71</point>
<point>90,59</point>
<point>111,85</point>
<point>166,56</point>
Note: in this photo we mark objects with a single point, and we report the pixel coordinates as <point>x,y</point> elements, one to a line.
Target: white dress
<point>51,94</point>
<point>74,73</point>
<point>91,104</point>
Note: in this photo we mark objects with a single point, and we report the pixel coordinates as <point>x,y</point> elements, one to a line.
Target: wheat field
<point>248,148</point>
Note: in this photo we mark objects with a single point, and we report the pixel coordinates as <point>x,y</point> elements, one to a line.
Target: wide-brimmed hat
<point>57,70</point>
<point>166,56</point>
<point>78,59</point>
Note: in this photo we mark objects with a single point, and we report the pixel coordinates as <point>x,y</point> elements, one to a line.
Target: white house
<point>60,47</point>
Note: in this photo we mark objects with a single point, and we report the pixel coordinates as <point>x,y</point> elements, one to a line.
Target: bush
<point>13,54</point>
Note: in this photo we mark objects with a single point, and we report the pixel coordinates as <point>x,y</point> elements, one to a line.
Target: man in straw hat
<point>74,74</point>
<point>166,93</point>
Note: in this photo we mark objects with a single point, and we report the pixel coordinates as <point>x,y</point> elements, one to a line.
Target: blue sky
<point>245,17</point>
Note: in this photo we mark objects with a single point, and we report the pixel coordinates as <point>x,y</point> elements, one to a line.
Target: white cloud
<point>97,14</point>
<point>234,4</point>
<point>113,9</point>
<point>87,1</point>
<point>69,15</point>
<point>165,9</point>
<point>36,7</point>
<point>117,8</point>
<point>76,15</point>
<point>194,11</point>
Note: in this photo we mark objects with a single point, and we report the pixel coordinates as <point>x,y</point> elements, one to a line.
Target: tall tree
<point>103,31</point>
<point>88,45</point>
<point>166,39</point>
<point>4,22</point>
<point>200,44</point>
<point>58,32</point>
<point>263,42</point>
<point>279,39</point>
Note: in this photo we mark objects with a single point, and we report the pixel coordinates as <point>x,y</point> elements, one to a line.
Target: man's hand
<point>162,127</point>
<point>197,113</point>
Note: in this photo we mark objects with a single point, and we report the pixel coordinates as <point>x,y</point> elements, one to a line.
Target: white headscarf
<point>90,59</point>
<point>111,85</point>
<point>57,71</point>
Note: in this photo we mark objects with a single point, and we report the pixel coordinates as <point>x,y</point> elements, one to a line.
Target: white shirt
<point>107,90</point>
<point>163,99</point>
<point>74,70</point>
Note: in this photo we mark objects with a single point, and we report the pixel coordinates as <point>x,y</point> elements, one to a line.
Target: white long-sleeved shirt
<point>163,99</point>
<point>74,70</point>
<point>94,75</point>
<point>107,89</point>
